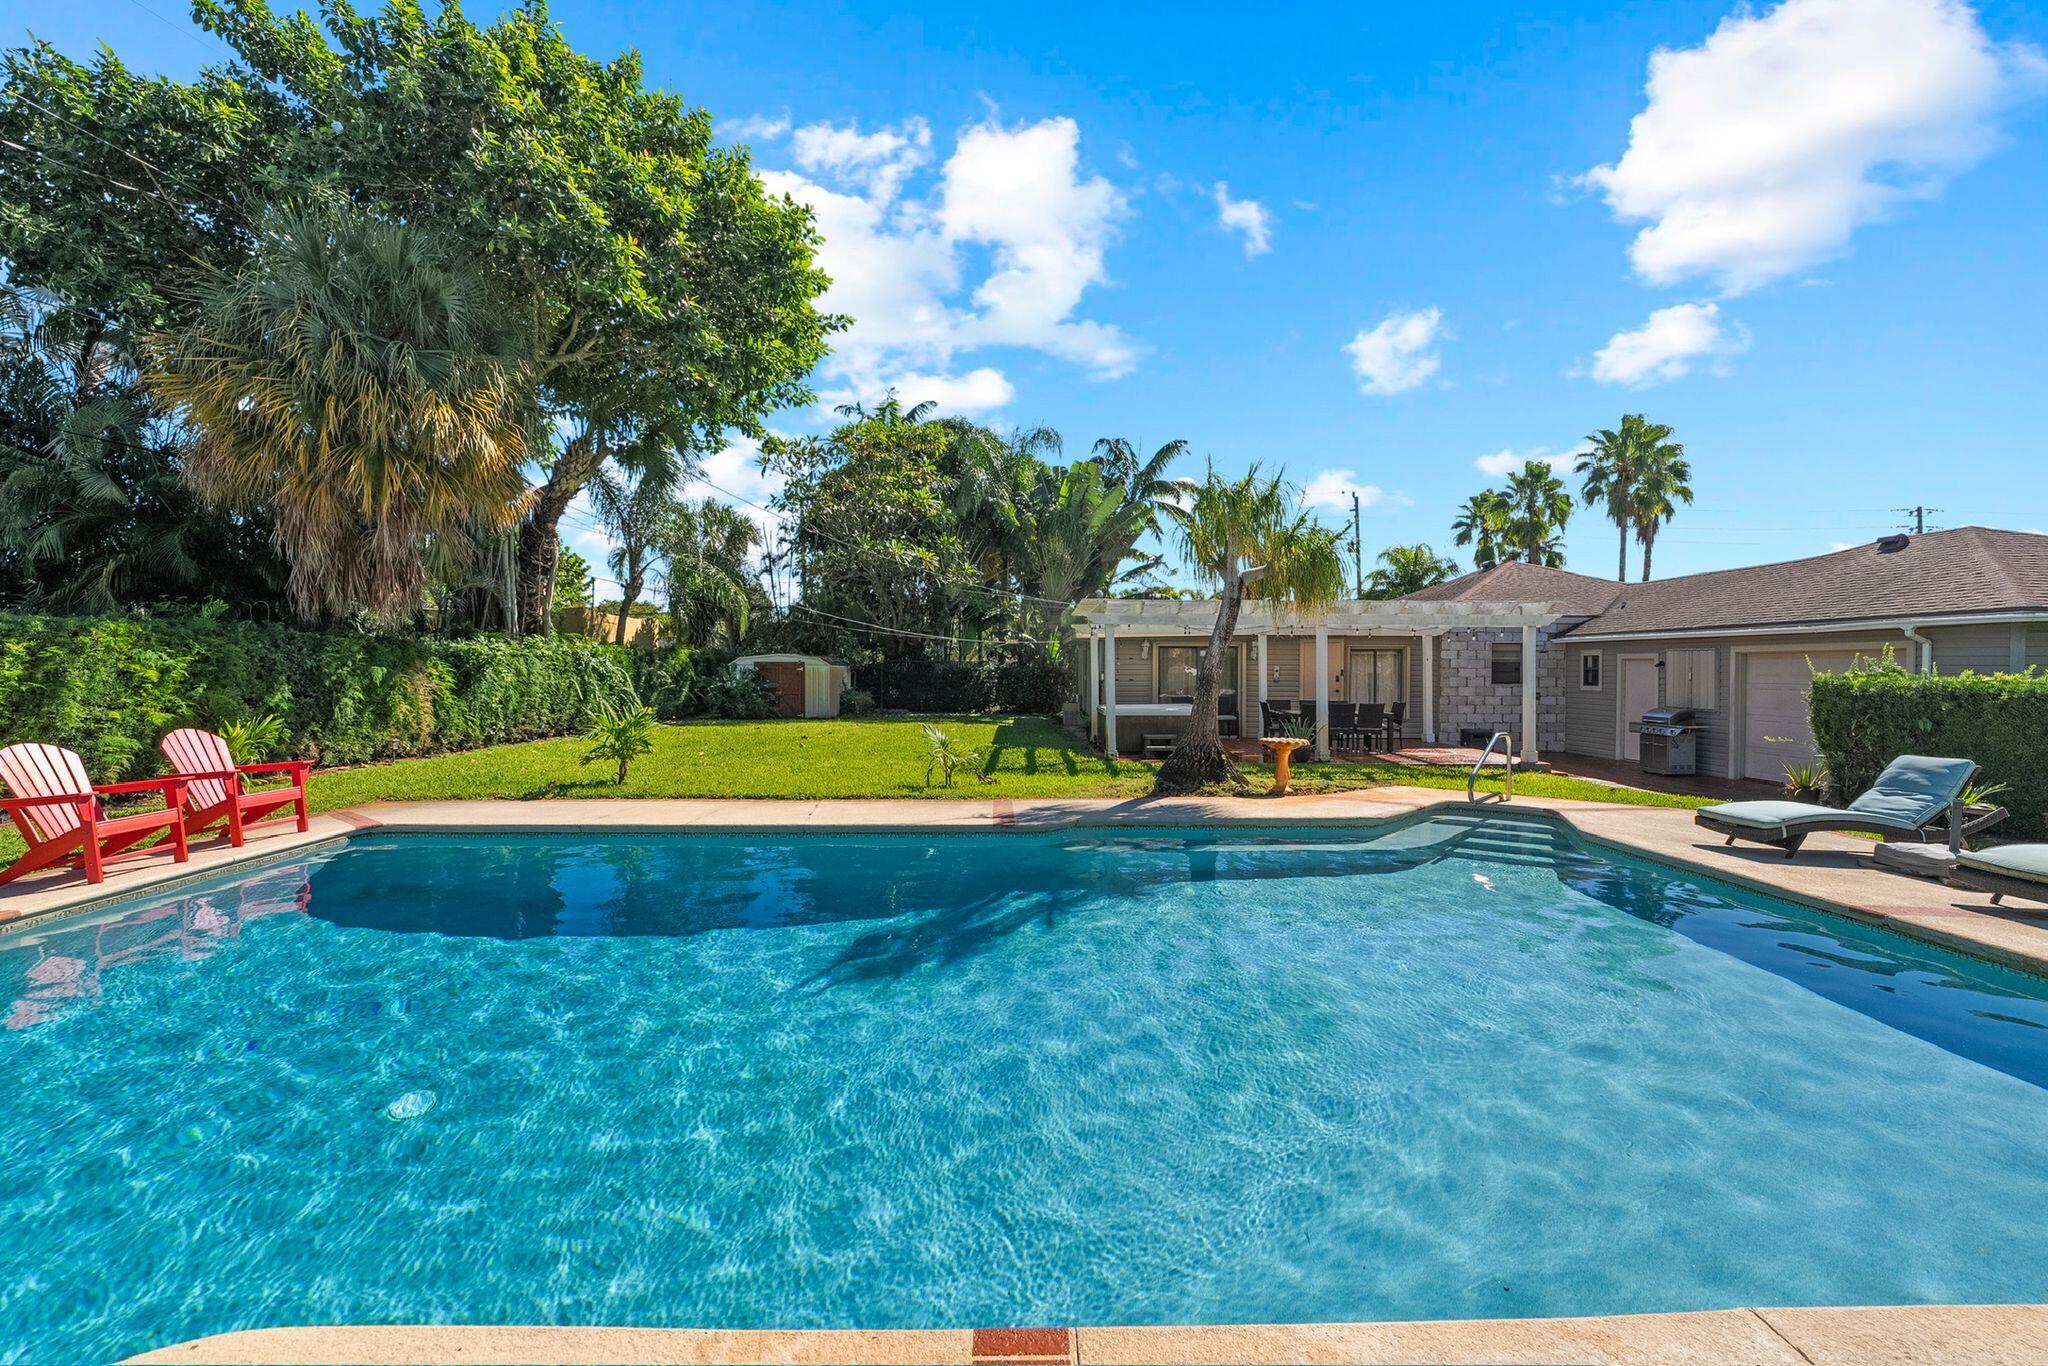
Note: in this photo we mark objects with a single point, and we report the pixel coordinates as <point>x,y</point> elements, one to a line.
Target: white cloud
<point>1395,356</point>
<point>1762,150</point>
<point>1668,345</point>
<point>1247,217</point>
<point>757,127</point>
<point>981,390</point>
<point>1505,462</point>
<point>878,163</point>
<point>998,247</point>
<point>1333,489</point>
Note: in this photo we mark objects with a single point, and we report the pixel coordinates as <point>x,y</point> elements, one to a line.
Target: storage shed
<point>804,685</point>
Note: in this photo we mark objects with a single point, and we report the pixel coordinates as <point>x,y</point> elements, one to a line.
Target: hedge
<point>109,687</point>
<point>1865,718</point>
<point>1028,687</point>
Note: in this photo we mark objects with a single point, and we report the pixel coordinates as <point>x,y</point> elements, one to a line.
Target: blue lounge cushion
<point>1914,789</point>
<point>2028,862</point>
<point>1769,815</point>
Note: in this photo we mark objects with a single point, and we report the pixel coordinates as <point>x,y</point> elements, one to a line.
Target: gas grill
<point>1670,741</point>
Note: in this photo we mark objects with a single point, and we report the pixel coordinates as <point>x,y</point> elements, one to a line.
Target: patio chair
<point>214,794</point>
<point>59,811</point>
<point>1371,716</point>
<point>2019,870</point>
<point>1390,725</point>
<point>1226,713</point>
<point>1276,717</point>
<point>1345,729</point>
<point>1912,792</point>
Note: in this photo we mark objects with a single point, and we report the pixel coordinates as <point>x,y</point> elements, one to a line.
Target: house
<point>1565,661</point>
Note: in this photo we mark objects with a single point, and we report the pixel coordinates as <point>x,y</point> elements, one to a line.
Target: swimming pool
<point>1458,1067</point>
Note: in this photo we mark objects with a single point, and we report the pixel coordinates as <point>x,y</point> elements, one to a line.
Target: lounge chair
<point>2019,870</point>
<point>59,811</point>
<point>214,794</point>
<point>1912,792</point>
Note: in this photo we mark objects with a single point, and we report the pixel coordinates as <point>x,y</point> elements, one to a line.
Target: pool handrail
<point>1508,754</point>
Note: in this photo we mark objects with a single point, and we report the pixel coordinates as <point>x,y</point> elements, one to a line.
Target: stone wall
<point>1468,698</point>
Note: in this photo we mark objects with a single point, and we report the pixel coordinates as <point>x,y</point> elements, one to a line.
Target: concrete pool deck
<point>1922,1335</point>
<point>1833,873</point>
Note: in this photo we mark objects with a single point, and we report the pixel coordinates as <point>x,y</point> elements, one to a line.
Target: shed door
<point>787,681</point>
<point>1775,731</point>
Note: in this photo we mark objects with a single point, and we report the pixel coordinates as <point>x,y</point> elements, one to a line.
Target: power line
<point>856,623</point>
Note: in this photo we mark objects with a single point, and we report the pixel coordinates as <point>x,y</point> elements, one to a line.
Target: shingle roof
<point>1968,570</point>
<point>1575,595</point>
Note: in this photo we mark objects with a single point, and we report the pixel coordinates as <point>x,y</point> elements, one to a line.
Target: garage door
<point>1775,729</point>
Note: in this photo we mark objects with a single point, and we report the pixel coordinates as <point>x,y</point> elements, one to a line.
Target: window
<point>1177,663</point>
<point>1373,676</point>
<point>1589,670</point>
<point>1507,662</point>
<point>1689,679</point>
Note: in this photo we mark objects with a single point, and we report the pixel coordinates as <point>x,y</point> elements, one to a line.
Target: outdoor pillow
<point>1769,815</point>
<point>1914,789</point>
<point>2028,861</point>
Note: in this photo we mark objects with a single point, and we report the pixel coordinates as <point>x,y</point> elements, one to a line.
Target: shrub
<point>109,687</point>
<point>854,702</point>
<point>1026,686</point>
<point>743,696</point>
<point>1865,718</point>
<point>619,735</point>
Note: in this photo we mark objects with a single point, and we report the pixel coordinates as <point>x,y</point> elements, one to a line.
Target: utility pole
<point>1357,551</point>
<point>1919,516</point>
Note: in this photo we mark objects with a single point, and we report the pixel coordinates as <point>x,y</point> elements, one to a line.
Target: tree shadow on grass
<point>1029,736</point>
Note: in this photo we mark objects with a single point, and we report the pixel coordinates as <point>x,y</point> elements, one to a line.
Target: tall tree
<point>1610,469</point>
<point>633,507</point>
<point>574,583</point>
<point>1664,481</point>
<point>1482,523</point>
<point>1540,505</point>
<point>665,296</point>
<point>95,513</point>
<point>1405,569</point>
<point>1249,537</point>
<point>705,547</point>
<point>368,393</point>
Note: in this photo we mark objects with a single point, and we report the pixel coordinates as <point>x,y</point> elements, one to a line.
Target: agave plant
<point>1806,782</point>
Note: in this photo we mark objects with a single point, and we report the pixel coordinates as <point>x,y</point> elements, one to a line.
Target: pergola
<point>1102,620</point>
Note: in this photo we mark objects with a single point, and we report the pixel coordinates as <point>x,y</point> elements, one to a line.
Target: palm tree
<point>1482,523</point>
<point>633,515</point>
<point>706,547</point>
<point>1147,489</point>
<point>1246,536</point>
<point>364,390</point>
<point>1611,467</point>
<point>1664,480</point>
<point>1407,569</point>
<point>1540,506</point>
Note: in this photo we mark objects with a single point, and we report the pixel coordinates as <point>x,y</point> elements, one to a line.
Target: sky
<point>1395,249</point>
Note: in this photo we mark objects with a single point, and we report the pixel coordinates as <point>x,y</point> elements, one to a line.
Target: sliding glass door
<point>1374,676</point>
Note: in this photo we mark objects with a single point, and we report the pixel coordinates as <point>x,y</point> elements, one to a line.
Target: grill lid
<point>1668,716</point>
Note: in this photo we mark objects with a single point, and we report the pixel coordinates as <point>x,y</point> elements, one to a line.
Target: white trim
<point>1428,688</point>
<point>1809,628</point>
<point>1165,616</point>
<point>1529,681</point>
<point>1599,659</point>
<point>1322,693</point>
<point>1737,710</point>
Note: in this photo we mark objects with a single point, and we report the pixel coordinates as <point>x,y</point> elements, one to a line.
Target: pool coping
<point>1922,1335</point>
<point>1834,873</point>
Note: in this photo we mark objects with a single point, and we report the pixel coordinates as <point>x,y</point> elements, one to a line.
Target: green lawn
<point>1020,757</point>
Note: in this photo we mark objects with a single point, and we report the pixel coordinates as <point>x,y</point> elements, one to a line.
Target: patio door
<point>1373,676</point>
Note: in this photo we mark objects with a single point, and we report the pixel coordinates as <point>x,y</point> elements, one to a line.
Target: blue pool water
<point>1448,1069</point>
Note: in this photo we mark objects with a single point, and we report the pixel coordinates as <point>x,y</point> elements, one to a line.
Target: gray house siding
<point>1983,649</point>
<point>1588,712</point>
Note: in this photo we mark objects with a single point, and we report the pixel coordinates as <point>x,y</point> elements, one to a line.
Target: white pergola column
<point>1109,690</point>
<point>1094,682</point>
<point>1529,694</point>
<point>1322,692</point>
<point>1429,689</point>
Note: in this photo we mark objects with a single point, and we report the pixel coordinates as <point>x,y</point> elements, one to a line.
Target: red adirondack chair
<point>213,785</point>
<point>58,810</point>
